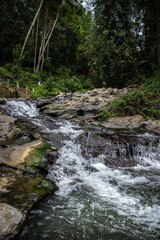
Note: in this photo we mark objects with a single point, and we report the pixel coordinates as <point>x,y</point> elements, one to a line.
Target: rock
<point>28,157</point>
<point>36,136</point>
<point>7,127</point>
<point>152,125</point>
<point>10,221</point>
<point>52,155</point>
<point>133,122</point>
<point>18,194</point>
<point>95,101</point>
<point>2,101</point>
<point>117,148</point>
<point>41,102</point>
<point>22,192</point>
<point>26,125</point>
<point>123,91</point>
<point>81,107</point>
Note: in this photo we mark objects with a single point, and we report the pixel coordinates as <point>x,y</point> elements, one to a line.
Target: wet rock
<point>52,155</point>
<point>26,125</point>
<point>28,157</point>
<point>11,220</point>
<point>117,149</point>
<point>41,102</point>
<point>21,191</point>
<point>18,194</point>
<point>2,101</point>
<point>18,139</point>
<point>8,129</point>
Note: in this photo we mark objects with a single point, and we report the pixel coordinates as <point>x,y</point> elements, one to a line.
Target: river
<point>94,200</point>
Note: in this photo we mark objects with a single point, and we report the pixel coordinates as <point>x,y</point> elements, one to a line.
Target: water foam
<point>21,109</point>
<point>72,172</point>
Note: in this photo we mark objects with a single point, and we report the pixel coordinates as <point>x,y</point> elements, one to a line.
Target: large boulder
<point>10,221</point>
<point>29,157</point>
<point>21,191</point>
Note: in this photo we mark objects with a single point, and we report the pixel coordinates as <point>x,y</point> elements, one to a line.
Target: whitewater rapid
<point>95,201</point>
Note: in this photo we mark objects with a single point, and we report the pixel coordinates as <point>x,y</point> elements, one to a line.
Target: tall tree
<point>15,18</point>
<point>30,29</point>
<point>112,43</point>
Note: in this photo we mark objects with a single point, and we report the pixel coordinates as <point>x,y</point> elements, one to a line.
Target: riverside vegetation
<point>144,101</point>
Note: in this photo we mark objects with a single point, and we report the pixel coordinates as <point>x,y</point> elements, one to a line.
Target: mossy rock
<point>38,158</point>
<point>30,157</point>
<point>22,192</point>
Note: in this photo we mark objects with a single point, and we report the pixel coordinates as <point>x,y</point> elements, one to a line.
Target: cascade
<point>95,200</point>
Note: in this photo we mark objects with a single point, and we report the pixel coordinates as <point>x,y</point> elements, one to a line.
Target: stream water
<point>94,200</point>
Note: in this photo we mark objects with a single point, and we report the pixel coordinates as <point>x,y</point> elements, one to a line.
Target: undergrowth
<point>145,101</point>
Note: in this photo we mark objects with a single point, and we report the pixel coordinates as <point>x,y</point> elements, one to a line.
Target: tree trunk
<point>48,50</point>
<point>47,42</point>
<point>34,20</point>
<point>158,35</point>
<point>35,54</point>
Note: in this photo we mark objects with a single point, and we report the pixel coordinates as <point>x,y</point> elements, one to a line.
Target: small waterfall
<point>119,189</point>
<point>96,200</point>
<point>21,109</point>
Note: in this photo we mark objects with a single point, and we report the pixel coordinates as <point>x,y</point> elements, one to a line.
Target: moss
<point>16,134</point>
<point>26,191</point>
<point>38,158</point>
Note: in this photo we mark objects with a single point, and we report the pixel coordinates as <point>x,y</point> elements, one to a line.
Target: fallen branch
<point>94,117</point>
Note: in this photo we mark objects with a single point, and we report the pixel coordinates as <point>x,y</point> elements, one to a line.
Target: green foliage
<point>61,82</point>
<point>28,79</point>
<point>144,101</point>
<point>40,91</point>
<point>105,115</point>
<point>5,73</point>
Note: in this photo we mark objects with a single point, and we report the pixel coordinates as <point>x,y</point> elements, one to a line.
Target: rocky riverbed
<point>83,108</point>
<point>25,153</point>
<point>23,163</point>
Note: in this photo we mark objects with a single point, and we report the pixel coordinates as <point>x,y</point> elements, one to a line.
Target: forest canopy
<point>77,45</point>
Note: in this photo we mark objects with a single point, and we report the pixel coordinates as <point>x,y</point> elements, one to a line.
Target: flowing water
<point>94,200</point>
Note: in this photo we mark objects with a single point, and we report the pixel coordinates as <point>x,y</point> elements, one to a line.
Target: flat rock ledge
<point>136,122</point>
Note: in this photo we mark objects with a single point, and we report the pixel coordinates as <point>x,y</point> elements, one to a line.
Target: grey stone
<point>10,221</point>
